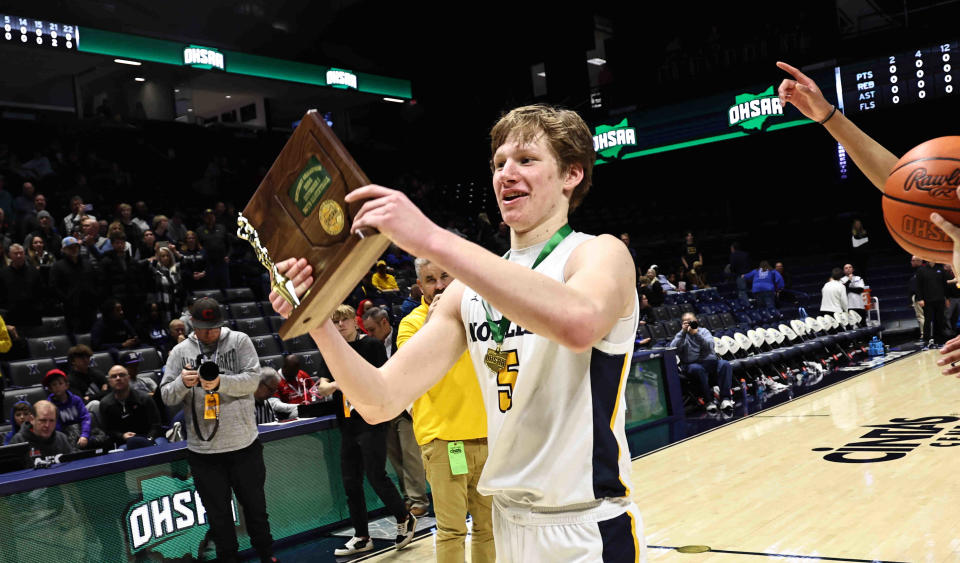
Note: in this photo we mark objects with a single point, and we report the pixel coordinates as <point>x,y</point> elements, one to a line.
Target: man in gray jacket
<point>694,346</point>
<point>223,450</point>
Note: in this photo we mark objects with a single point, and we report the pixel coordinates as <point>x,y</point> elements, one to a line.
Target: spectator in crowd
<point>690,252</point>
<point>125,216</point>
<point>384,281</point>
<point>37,253</point>
<point>915,263</point>
<point>650,287</point>
<point>74,283</point>
<point>46,231</point>
<point>40,431</point>
<point>695,351</point>
<point>6,199</point>
<point>194,264</point>
<point>122,276</point>
<point>739,266</point>
<point>146,249</point>
<point>363,446</point>
<point>78,212</point>
<point>30,221</point>
<point>177,231</point>
<point>213,237</point>
<point>860,244</point>
<point>167,283</point>
<point>451,411</point>
<point>23,203</point>
<point>665,284</point>
<point>145,384</point>
<point>85,381</point>
<point>21,291</point>
<point>765,283</point>
<point>91,241</point>
<point>116,228</point>
<point>292,388</point>
<point>854,285</point>
<point>834,294</point>
<point>931,295</point>
<point>267,406</point>
<point>625,237</point>
<point>223,449</point>
<point>952,293</point>
<point>161,225</point>
<point>19,413</point>
<point>5,233</point>
<point>787,282</point>
<point>695,277</point>
<point>129,416</point>
<point>402,449</point>
<point>73,418</point>
<point>645,312</point>
<point>412,301</point>
<point>112,330</point>
<point>141,216</point>
<point>178,331</point>
<point>152,329</point>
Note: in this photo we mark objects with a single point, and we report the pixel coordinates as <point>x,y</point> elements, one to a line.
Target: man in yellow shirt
<point>450,424</point>
<point>382,280</point>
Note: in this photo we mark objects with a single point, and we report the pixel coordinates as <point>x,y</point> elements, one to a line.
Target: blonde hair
<point>565,132</point>
<point>343,312</point>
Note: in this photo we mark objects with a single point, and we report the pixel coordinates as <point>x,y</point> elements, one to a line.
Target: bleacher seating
<point>32,394</point>
<point>245,310</point>
<point>53,346</point>
<point>275,362</point>
<point>302,343</point>
<point>238,295</point>
<point>149,359</point>
<point>28,372</point>
<point>257,326</point>
<point>268,345</point>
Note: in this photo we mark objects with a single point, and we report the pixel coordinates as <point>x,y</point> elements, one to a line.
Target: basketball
<point>923,181</point>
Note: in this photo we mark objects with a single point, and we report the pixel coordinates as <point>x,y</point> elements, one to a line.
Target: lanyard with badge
<point>495,358</point>
<point>208,371</point>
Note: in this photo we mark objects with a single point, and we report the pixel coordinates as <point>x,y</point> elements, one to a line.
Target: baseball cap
<point>129,358</point>
<point>380,263</point>
<point>52,375</point>
<point>68,241</point>
<point>205,313</point>
<point>44,213</point>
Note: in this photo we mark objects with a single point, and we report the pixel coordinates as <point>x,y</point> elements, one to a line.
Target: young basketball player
<point>871,157</point>
<point>550,331</point>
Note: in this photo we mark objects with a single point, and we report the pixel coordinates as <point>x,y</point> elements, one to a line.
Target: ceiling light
<point>176,90</point>
<point>394,100</point>
<point>189,109</point>
<point>597,61</point>
<point>228,96</point>
<point>127,62</point>
<point>543,74</point>
<point>140,79</point>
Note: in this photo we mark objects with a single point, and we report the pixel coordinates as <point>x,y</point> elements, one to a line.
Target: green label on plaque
<point>310,186</point>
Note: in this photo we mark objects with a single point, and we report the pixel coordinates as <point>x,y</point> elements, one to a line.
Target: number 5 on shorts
<point>506,379</point>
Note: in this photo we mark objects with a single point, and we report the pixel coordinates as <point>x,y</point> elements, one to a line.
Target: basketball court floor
<point>863,470</point>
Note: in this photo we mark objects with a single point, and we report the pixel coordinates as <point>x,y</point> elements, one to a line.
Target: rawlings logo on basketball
<point>940,186</point>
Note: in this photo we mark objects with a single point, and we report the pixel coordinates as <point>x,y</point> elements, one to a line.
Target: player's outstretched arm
<point>871,157</point>
<point>380,394</point>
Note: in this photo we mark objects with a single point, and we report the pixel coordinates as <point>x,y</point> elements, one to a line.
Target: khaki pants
<point>453,497</point>
<point>404,456</point>
<point>918,310</point>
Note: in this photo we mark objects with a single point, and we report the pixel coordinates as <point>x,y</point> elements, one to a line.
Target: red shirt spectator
<point>295,382</point>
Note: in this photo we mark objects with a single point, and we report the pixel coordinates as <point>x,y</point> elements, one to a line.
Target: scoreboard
<point>898,78</point>
<point>42,33</point>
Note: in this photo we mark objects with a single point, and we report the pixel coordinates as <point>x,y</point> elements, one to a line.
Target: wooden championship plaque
<point>299,211</point>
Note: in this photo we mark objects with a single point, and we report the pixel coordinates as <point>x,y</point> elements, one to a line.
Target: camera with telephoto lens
<point>208,370</point>
<point>691,324</point>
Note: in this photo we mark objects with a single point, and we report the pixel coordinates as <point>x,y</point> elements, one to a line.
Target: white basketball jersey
<point>555,418</point>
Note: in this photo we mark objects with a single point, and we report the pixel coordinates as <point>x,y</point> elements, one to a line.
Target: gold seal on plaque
<point>331,217</point>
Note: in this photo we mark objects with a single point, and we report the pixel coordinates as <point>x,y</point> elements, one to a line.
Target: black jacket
<point>137,414</point>
<point>371,350</point>
<point>21,294</point>
<point>930,284</point>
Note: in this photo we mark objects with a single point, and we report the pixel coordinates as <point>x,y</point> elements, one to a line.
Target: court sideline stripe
<point>749,416</point>
<point>763,554</point>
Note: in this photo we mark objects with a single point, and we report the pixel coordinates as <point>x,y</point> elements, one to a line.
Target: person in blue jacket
<point>19,413</point>
<point>766,283</point>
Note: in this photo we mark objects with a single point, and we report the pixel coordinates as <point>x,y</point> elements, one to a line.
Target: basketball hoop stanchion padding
<point>298,211</point>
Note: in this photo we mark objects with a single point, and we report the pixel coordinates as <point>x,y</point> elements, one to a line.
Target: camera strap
<point>193,402</point>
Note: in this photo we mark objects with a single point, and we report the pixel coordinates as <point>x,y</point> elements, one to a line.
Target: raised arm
<point>600,278</point>
<point>380,394</point>
<point>871,157</point>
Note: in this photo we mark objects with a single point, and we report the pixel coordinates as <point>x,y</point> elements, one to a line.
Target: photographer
<point>213,374</point>
<point>694,346</point>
